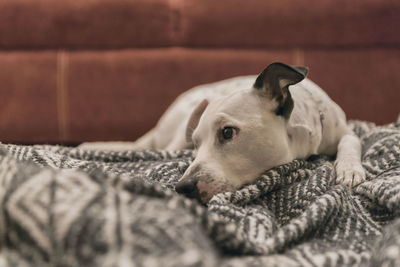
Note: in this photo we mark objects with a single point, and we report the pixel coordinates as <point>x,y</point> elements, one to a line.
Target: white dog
<point>243,126</point>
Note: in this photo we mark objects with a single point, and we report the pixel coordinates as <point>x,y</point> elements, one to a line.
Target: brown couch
<point>73,71</point>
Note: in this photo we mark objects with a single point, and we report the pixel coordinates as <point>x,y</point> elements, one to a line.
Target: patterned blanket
<point>69,207</point>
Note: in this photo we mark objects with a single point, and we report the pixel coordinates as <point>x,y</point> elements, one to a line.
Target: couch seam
<point>62,95</point>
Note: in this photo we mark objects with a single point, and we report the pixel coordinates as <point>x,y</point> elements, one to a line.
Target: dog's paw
<point>349,172</point>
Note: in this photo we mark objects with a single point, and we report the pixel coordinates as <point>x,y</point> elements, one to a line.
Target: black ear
<point>274,82</point>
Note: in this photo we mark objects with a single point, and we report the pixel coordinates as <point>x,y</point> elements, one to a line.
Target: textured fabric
<point>68,207</point>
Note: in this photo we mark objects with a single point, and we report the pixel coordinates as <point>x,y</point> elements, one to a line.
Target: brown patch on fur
<point>194,119</point>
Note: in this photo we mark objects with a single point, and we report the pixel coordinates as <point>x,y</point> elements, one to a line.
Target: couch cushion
<point>28,97</point>
<point>233,23</point>
<point>88,23</point>
<point>119,95</point>
<point>363,81</point>
<point>287,23</point>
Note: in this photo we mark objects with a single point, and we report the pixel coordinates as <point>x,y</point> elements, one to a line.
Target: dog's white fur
<point>261,140</point>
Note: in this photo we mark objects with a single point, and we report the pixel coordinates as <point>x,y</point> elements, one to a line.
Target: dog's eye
<point>228,132</point>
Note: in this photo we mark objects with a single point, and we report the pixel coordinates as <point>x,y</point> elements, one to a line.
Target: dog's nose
<point>187,187</point>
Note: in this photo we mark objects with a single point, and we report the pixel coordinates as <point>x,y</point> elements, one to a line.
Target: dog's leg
<point>144,142</point>
<point>349,170</point>
<point>108,146</point>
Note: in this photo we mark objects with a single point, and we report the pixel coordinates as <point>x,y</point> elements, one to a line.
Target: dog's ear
<point>274,82</point>
<point>194,119</point>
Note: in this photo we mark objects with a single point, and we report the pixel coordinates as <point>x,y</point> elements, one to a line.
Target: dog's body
<point>243,126</point>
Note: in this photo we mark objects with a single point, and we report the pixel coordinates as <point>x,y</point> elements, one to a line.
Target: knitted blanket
<point>69,207</point>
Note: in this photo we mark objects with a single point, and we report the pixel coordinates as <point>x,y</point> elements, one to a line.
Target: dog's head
<point>239,136</point>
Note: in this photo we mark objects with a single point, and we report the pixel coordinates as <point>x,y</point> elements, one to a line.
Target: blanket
<point>63,206</point>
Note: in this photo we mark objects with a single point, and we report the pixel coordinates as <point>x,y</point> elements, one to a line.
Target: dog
<point>243,126</point>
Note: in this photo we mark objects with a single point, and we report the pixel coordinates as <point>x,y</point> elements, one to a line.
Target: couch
<point>73,71</point>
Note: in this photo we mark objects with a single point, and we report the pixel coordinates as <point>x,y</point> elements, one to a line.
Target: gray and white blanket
<point>69,207</point>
